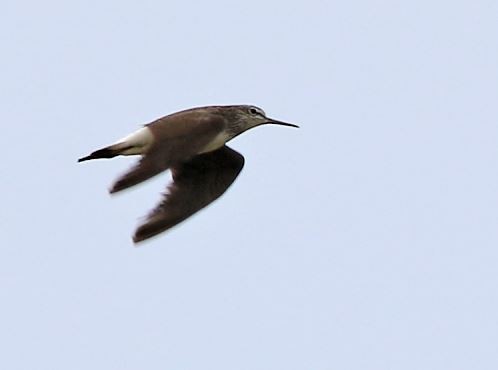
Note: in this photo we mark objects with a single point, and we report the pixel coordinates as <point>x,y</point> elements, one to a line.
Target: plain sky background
<point>367,239</point>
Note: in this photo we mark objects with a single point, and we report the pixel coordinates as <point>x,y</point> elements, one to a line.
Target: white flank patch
<point>139,141</point>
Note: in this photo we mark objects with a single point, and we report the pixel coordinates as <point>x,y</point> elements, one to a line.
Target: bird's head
<point>249,116</point>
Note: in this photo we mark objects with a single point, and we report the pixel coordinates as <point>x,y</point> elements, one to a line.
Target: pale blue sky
<point>367,239</point>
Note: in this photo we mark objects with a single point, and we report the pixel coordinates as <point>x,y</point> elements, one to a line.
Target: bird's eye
<point>253,111</point>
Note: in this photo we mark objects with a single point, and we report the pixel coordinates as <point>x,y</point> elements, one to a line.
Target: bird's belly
<point>218,141</point>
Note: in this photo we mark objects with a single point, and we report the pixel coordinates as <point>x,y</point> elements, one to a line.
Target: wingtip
<point>137,240</point>
<point>142,234</point>
<point>115,189</point>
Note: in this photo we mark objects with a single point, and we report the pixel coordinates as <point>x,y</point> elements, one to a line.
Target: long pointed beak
<point>272,121</point>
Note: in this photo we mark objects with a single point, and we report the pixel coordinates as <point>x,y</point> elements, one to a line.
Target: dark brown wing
<point>177,138</point>
<point>148,166</point>
<point>196,184</point>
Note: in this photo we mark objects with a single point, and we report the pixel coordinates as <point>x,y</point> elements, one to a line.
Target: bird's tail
<point>107,152</point>
<point>134,144</point>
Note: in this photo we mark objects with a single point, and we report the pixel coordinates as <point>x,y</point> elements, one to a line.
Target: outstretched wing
<point>196,184</point>
<point>176,139</point>
<point>148,166</point>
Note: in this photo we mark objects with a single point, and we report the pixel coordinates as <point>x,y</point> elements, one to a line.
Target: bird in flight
<point>190,143</point>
